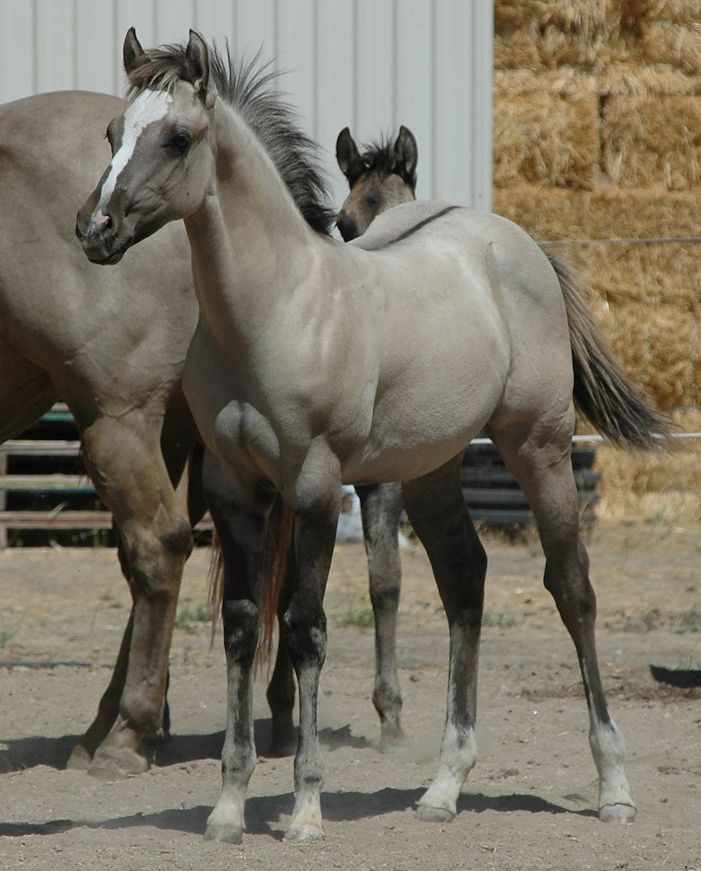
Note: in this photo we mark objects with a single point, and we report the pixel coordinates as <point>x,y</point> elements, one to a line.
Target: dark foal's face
<point>381,177</point>
<point>372,193</point>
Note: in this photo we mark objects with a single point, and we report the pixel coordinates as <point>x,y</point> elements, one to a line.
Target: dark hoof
<point>434,814</point>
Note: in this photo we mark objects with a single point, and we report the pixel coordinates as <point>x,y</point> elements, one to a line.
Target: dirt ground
<point>529,803</point>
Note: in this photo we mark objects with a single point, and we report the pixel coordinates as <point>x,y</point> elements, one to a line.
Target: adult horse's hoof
<point>225,834</point>
<point>79,760</point>
<point>117,765</point>
<point>434,814</point>
<point>300,834</point>
<point>617,813</point>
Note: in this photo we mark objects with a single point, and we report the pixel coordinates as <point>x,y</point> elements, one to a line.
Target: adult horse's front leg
<point>154,542</point>
<point>381,507</point>
<point>437,513</point>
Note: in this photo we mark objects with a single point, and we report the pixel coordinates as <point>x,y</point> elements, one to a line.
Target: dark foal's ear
<point>406,156</point>
<point>198,59</point>
<point>132,52</point>
<point>348,157</point>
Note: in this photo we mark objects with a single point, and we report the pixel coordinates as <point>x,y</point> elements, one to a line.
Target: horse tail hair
<point>602,391</point>
<point>215,577</point>
<point>277,540</point>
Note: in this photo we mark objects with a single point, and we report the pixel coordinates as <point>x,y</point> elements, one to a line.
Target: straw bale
<point>647,301</point>
<point>635,14</point>
<point>549,33</point>
<point>652,141</point>
<point>626,78</point>
<point>566,82</point>
<point>551,213</point>
<point>675,44</point>
<point>511,15</point>
<point>656,346</point>
<point>634,213</point>
<point>662,486</point>
<point>517,49</point>
<point>546,138</point>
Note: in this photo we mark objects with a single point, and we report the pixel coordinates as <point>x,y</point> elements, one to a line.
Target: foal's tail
<point>277,540</point>
<point>602,392</point>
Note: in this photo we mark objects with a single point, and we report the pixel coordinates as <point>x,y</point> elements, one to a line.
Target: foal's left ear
<point>406,155</point>
<point>132,52</point>
<point>198,58</point>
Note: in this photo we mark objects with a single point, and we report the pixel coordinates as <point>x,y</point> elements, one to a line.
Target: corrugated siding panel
<point>367,64</point>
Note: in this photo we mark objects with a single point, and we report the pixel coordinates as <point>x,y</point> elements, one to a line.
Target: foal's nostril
<point>102,221</point>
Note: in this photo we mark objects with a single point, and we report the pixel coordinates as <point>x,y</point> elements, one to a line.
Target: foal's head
<point>384,175</point>
<point>162,164</point>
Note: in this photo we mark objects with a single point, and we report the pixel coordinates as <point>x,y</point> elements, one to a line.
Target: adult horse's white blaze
<point>148,107</point>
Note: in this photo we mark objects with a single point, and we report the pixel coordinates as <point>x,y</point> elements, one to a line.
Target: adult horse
<point>114,353</point>
<point>315,362</point>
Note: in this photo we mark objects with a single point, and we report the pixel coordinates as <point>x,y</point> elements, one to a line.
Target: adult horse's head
<point>384,175</point>
<point>162,166</point>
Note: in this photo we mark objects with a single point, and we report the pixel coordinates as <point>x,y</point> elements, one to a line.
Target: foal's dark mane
<point>247,87</point>
<point>379,156</point>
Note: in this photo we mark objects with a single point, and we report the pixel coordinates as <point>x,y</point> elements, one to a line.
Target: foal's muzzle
<point>101,243</point>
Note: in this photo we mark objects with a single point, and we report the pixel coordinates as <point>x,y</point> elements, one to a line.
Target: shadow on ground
<point>21,753</point>
<point>264,812</point>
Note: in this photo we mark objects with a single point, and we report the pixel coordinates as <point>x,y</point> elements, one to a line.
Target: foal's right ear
<point>132,52</point>
<point>348,157</point>
<point>406,156</point>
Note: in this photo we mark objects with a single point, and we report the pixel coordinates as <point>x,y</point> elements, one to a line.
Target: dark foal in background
<point>383,176</point>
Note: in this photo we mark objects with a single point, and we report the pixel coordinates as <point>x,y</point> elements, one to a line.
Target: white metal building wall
<point>368,64</point>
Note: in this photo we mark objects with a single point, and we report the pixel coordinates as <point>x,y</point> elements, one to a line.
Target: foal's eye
<point>180,141</point>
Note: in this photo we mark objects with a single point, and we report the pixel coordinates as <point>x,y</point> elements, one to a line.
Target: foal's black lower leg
<point>317,498</point>
<point>240,532</point>
<point>544,471</point>
<point>381,506</point>
<point>281,689</point>
<point>437,512</point>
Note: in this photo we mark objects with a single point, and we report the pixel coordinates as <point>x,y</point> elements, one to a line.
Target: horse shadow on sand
<point>21,753</point>
<point>263,813</point>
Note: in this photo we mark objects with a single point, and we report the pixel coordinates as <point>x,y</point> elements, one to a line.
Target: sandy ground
<point>529,803</point>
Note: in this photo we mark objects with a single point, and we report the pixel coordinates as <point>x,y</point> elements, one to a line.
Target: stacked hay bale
<point>597,135</point>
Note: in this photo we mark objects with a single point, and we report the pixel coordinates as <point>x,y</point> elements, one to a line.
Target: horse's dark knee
<point>305,634</point>
<point>240,618</point>
<point>178,538</point>
<point>384,598</point>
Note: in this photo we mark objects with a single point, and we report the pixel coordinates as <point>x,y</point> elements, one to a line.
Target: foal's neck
<point>250,245</point>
